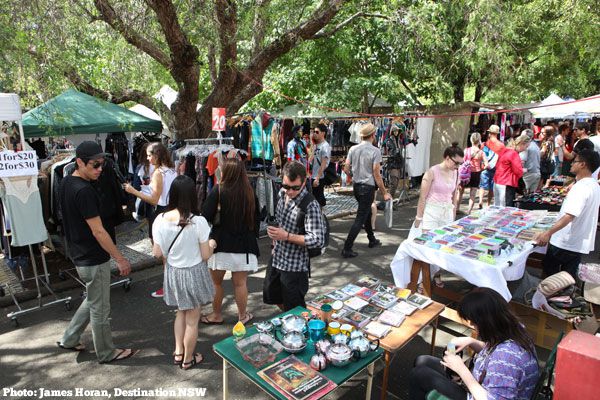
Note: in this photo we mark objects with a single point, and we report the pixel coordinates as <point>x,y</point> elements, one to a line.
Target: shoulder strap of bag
<point>176,236</point>
<point>303,206</point>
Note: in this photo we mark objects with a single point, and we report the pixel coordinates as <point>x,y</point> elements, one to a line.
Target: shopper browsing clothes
<point>363,163</point>
<point>395,161</point>
<point>574,233</point>
<point>509,170</point>
<point>505,362</point>
<point>320,161</point>
<point>90,248</point>
<point>160,183</point>
<point>232,209</point>
<point>181,240</point>
<point>437,198</point>
<point>286,280</point>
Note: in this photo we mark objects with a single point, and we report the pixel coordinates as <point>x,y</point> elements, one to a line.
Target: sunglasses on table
<point>288,187</point>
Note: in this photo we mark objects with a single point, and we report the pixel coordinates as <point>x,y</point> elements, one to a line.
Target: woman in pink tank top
<point>437,199</point>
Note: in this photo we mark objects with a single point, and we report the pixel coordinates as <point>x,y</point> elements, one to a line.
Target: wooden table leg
<point>225,380</point>
<point>370,371</point>
<point>387,356</point>
<point>423,268</point>
<point>434,324</point>
<point>414,276</point>
<point>426,273</point>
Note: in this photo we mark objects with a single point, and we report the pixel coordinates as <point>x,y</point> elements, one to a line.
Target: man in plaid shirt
<point>286,280</point>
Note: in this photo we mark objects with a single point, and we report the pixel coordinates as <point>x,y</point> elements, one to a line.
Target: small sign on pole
<point>23,163</point>
<point>218,119</point>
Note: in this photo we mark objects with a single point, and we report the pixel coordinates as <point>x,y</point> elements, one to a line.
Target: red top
<point>508,168</point>
<point>496,146</point>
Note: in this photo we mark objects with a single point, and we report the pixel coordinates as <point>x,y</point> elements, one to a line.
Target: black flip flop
<point>193,362</point>
<point>204,319</point>
<point>76,348</point>
<point>119,358</point>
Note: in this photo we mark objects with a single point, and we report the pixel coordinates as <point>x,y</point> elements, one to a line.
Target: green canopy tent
<point>73,112</point>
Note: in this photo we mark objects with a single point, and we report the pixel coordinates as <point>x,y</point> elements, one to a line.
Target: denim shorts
<point>486,181</point>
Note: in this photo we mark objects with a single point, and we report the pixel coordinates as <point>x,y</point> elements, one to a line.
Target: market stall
<point>487,248</point>
<point>21,210</point>
<point>340,333</point>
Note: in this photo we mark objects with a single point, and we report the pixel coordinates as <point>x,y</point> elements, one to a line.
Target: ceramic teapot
<point>340,354</point>
<point>360,345</point>
<point>293,323</point>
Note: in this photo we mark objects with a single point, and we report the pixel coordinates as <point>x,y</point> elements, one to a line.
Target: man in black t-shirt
<point>90,248</point>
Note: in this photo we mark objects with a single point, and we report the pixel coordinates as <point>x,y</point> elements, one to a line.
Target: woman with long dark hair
<point>505,365</point>
<point>232,209</point>
<point>160,183</point>
<point>181,239</point>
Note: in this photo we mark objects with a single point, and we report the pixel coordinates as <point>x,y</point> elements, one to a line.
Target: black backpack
<point>315,252</point>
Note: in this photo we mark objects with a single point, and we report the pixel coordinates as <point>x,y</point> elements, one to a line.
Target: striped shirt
<point>511,372</point>
<point>290,257</point>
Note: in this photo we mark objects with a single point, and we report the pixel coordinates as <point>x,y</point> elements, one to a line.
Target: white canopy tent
<point>550,108</point>
<point>149,113</point>
<point>10,110</point>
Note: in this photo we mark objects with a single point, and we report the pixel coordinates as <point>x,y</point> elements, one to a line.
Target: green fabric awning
<point>73,112</point>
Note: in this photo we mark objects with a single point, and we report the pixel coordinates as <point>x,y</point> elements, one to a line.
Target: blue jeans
<point>364,194</point>
<point>557,167</point>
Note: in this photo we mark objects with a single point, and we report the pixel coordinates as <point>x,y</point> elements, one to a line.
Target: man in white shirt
<point>320,161</point>
<point>575,231</point>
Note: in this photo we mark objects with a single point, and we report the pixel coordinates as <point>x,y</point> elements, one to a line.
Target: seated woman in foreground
<point>505,364</point>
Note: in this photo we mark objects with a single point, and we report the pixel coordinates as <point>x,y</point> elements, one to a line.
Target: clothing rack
<point>45,282</point>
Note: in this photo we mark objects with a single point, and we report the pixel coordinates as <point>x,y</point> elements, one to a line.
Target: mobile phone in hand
<point>272,222</point>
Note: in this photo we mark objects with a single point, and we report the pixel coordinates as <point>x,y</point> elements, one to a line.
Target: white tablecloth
<point>473,271</point>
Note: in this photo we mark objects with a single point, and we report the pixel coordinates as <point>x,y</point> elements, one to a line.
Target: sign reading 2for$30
<point>22,163</point>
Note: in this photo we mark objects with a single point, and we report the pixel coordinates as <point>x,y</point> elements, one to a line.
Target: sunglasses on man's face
<point>288,187</point>
<point>97,164</point>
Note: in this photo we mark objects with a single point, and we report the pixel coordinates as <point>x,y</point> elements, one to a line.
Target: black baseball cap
<point>89,150</point>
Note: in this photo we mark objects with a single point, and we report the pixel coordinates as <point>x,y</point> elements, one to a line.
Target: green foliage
<point>511,50</point>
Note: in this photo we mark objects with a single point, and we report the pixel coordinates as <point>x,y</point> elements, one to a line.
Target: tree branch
<point>260,24</point>
<point>341,25</point>
<point>93,18</point>
<point>226,12</point>
<point>180,46</point>
<point>108,15</point>
<point>118,98</point>
<point>212,64</point>
<point>288,40</point>
<point>412,94</point>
